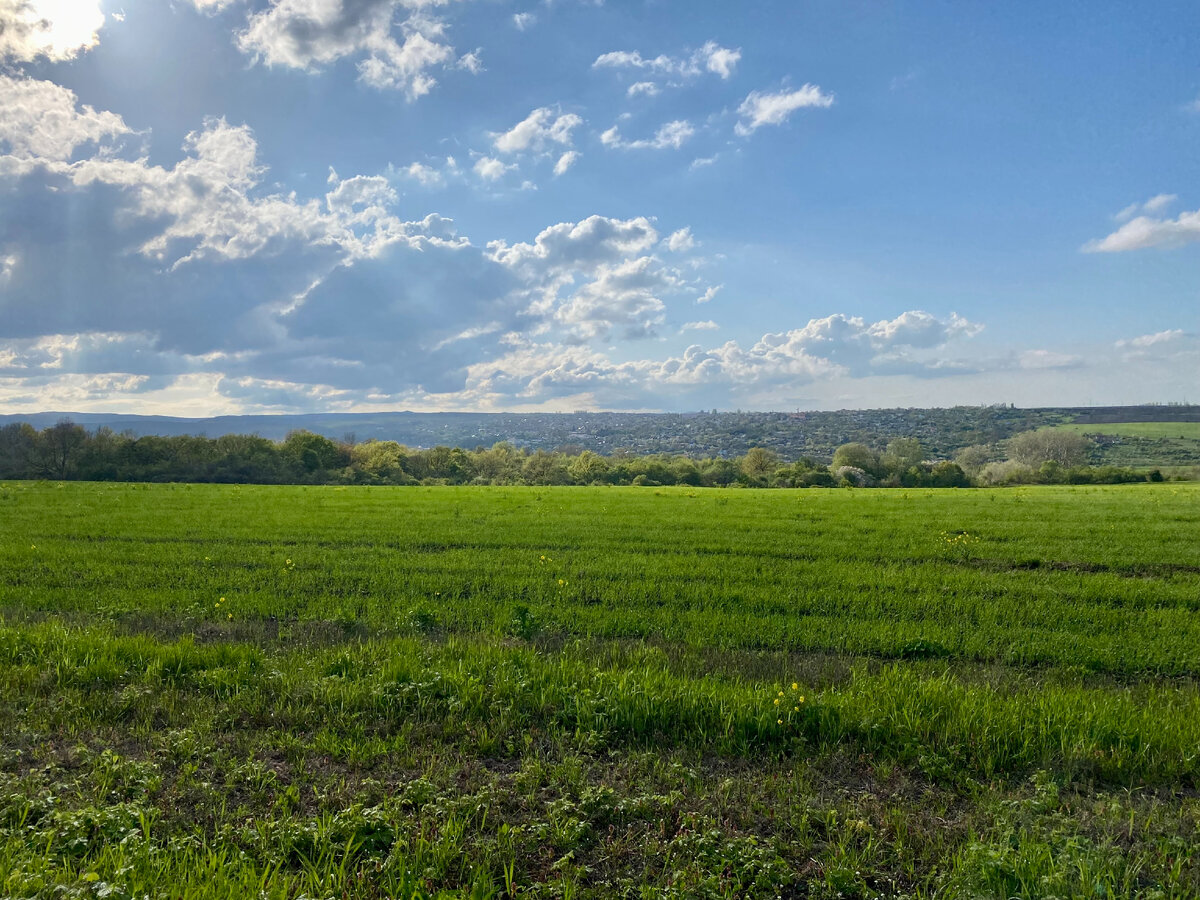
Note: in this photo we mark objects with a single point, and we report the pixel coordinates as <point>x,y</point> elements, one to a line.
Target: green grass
<point>1182,430</point>
<point>221,691</point>
<point>1168,446</point>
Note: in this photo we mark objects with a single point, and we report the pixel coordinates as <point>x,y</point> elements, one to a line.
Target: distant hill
<point>816,434</point>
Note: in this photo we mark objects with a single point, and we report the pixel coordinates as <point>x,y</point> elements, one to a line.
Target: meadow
<point>285,692</point>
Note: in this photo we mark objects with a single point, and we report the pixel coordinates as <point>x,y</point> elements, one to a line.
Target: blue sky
<point>219,206</point>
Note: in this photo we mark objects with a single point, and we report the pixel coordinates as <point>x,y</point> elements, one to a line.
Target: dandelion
<point>795,686</point>
<point>562,582</point>
<point>779,721</point>
<point>795,709</point>
<point>230,616</point>
<point>776,701</point>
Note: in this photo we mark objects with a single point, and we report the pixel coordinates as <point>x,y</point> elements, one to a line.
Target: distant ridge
<point>941,431</point>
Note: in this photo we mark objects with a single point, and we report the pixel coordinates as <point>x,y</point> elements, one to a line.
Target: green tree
<point>759,462</point>
<point>313,452</point>
<point>901,455</point>
<point>972,459</point>
<point>60,444</point>
<point>588,467</point>
<point>1066,448</point>
<point>855,455</point>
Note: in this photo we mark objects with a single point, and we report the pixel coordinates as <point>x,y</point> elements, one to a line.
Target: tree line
<point>66,451</point>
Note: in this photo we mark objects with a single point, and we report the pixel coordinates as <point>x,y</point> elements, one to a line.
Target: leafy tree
<point>313,452</point>
<point>1032,448</point>
<point>759,462</point>
<point>972,459</point>
<point>545,468</point>
<point>902,454</point>
<point>59,445</point>
<point>18,448</point>
<point>588,467</point>
<point>855,455</point>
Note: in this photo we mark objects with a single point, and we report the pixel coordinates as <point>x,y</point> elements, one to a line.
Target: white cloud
<point>53,29</point>
<point>1157,203</point>
<point>524,20</point>
<point>707,325</point>
<point>1170,336</point>
<point>712,58</point>
<point>491,169</point>
<point>649,88</point>
<point>207,205</point>
<point>585,245</point>
<point>8,265</point>
<point>471,62</point>
<point>1048,359</point>
<point>565,162</point>
<point>426,175</point>
<point>40,119</point>
<point>681,241</point>
<point>540,128</point>
<point>208,5</point>
<point>709,294</point>
<point>307,34</point>
<point>833,347</point>
<point>1146,231</point>
<point>672,135</point>
<point>761,108</point>
<point>720,60</point>
<point>920,329</point>
<point>593,277</point>
<point>1174,347</point>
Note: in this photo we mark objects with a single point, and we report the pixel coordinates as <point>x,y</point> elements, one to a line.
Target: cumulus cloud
<point>592,242</point>
<point>535,132</point>
<point>304,34</point>
<point>491,169</point>
<point>681,241</point>
<point>524,20</point>
<point>712,58</point>
<point>671,136</point>
<point>835,346</point>
<point>1146,230</point>
<point>593,278</point>
<point>625,296</point>
<point>760,108</point>
<point>50,29</point>
<point>198,254</point>
<point>709,294</point>
<point>648,88</point>
<point>565,162</point>
<point>42,119</point>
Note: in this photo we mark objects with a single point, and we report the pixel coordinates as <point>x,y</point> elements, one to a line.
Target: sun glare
<point>61,29</point>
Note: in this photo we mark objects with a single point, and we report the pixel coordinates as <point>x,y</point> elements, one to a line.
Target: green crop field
<point>286,692</point>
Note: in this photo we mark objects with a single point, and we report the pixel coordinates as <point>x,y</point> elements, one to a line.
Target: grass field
<point>1183,430</point>
<point>1169,446</point>
<point>212,691</point>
